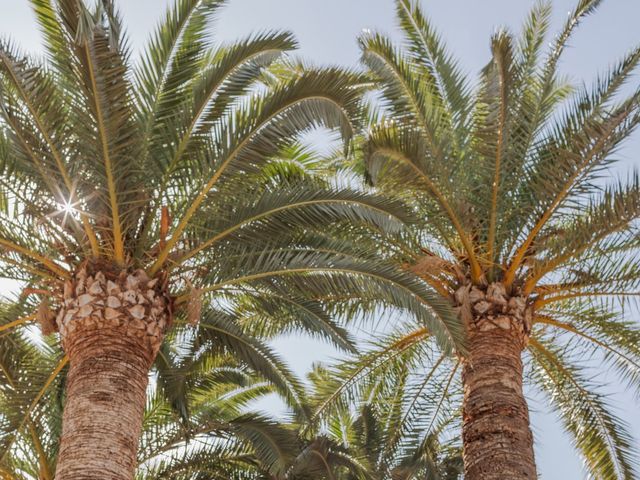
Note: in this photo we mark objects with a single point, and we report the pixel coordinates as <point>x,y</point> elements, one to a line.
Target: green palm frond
<point>381,404</point>
<point>332,266</point>
<point>32,107</point>
<point>30,397</point>
<point>603,440</point>
<point>406,363</point>
<point>425,45</point>
<point>298,314</point>
<point>219,332</point>
<point>605,226</point>
<point>597,328</point>
<point>172,54</point>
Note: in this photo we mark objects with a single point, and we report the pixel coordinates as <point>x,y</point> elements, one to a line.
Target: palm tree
<point>139,193</point>
<point>519,232</point>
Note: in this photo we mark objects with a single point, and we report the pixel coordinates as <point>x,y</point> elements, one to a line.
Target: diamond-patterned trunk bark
<point>496,435</point>
<point>111,329</point>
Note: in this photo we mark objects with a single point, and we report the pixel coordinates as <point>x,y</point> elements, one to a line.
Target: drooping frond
<point>29,398</point>
<point>217,331</point>
<point>602,438</point>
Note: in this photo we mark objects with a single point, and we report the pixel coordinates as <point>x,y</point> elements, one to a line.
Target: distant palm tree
<point>133,194</point>
<point>405,392</point>
<point>519,233</point>
<point>372,425</point>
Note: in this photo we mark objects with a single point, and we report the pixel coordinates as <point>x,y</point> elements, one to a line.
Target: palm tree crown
<point>172,165</point>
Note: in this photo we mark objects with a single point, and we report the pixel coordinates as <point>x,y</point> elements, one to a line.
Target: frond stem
<point>35,256</point>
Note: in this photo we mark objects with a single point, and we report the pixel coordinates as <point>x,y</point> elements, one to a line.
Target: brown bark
<point>105,398</point>
<point>497,439</point>
<point>111,331</point>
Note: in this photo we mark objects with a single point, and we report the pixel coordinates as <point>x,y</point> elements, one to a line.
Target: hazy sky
<point>327,31</point>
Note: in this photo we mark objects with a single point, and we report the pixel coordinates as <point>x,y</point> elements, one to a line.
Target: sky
<point>327,32</point>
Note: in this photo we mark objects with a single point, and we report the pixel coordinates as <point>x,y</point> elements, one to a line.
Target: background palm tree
<point>368,414</point>
<point>519,232</point>
<point>137,195</point>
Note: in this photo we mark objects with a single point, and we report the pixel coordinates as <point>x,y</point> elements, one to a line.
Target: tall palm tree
<point>220,437</point>
<point>134,193</point>
<point>519,233</point>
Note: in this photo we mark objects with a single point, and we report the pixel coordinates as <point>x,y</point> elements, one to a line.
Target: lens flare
<point>68,208</point>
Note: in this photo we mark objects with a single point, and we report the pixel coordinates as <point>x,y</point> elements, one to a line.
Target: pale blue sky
<point>327,31</point>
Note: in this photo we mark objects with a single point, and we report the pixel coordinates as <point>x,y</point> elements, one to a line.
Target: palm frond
<point>601,437</point>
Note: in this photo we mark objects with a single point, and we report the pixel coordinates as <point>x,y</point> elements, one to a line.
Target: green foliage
<point>395,407</point>
<point>601,437</point>
<point>187,163</point>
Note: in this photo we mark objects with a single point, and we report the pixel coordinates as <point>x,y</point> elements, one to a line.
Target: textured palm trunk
<point>496,435</point>
<point>111,329</point>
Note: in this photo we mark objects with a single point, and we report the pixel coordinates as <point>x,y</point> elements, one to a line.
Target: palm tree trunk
<point>498,443</point>
<point>111,331</point>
